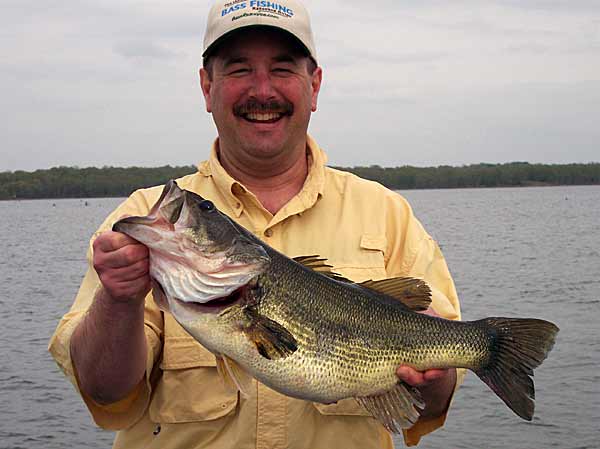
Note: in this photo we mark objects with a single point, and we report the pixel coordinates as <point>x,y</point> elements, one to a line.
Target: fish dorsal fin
<point>396,409</point>
<point>315,263</point>
<point>320,265</point>
<point>272,340</point>
<point>413,293</point>
<point>234,376</point>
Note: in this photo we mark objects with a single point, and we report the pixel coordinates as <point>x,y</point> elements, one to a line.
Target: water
<point>514,252</point>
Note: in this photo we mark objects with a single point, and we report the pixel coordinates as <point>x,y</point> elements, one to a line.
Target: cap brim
<point>212,47</point>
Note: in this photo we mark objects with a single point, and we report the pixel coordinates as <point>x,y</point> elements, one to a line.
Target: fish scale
<point>356,352</point>
<point>313,335</point>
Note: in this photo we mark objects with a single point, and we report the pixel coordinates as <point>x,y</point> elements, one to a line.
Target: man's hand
<point>122,264</point>
<point>436,385</point>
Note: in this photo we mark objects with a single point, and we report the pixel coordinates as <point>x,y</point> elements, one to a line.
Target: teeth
<point>263,117</point>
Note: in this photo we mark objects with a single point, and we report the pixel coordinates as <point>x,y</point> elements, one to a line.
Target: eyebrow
<point>234,60</point>
<point>284,57</point>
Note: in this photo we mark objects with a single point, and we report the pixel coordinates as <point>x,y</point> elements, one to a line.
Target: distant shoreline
<point>82,198</point>
<point>116,182</point>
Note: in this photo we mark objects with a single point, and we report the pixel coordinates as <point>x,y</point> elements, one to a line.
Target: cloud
<point>554,5</point>
<point>421,82</point>
<point>142,49</point>
<point>550,123</point>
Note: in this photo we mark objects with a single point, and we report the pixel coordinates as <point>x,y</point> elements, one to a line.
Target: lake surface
<point>512,252</point>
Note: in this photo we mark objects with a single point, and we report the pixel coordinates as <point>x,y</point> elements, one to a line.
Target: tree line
<point>74,182</point>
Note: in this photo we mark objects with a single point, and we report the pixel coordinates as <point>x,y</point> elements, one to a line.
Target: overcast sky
<point>114,82</point>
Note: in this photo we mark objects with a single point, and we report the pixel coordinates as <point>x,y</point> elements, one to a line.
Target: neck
<point>274,181</point>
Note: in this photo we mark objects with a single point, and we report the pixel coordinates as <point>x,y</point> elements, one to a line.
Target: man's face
<point>260,93</point>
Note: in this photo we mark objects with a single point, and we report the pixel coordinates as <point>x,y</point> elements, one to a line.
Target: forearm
<point>108,348</point>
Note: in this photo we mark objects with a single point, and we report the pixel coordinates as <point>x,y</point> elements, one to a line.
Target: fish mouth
<point>214,306</point>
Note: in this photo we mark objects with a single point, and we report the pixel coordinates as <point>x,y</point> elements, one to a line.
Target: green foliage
<point>73,182</point>
<point>481,175</point>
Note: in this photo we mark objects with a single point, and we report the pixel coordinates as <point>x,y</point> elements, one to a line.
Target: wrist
<point>111,307</point>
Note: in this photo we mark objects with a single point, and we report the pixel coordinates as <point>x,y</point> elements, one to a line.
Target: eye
<point>207,205</point>
<point>238,72</point>
<point>282,70</point>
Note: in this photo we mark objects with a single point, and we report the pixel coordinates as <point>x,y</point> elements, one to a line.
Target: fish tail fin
<point>517,347</point>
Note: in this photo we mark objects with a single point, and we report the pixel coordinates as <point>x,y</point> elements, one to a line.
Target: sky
<point>406,82</point>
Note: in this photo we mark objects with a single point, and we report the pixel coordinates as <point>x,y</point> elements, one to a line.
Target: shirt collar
<point>311,190</point>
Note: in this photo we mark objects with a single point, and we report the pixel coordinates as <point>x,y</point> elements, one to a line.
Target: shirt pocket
<point>366,262</point>
<point>190,389</point>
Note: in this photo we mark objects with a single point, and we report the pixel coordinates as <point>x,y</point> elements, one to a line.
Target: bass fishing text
<point>260,5</point>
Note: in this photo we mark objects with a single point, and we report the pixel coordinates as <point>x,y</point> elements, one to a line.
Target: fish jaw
<point>188,275</point>
<point>191,273</point>
<point>161,219</point>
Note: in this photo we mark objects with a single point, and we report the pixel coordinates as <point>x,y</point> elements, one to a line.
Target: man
<point>137,370</point>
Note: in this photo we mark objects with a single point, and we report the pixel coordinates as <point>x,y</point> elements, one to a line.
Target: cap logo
<point>259,6</point>
<point>226,16</point>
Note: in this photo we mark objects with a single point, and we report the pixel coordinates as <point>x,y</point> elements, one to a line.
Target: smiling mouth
<point>263,117</point>
<point>255,111</point>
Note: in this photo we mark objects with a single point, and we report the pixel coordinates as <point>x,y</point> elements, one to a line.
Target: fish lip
<point>149,220</point>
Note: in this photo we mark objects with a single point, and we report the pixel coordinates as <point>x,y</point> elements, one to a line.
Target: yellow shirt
<point>364,230</point>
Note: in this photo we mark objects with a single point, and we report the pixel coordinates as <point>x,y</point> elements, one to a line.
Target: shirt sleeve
<point>412,252</point>
<point>127,411</point>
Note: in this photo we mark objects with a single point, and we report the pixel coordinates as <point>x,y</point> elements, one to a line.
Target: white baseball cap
<point>230,15</point>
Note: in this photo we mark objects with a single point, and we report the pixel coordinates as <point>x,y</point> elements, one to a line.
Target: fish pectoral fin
<point>272,340</point>
<point>395,409</point>
<point>224,374</point>
<point>413,293</point>
<point>234,376</point>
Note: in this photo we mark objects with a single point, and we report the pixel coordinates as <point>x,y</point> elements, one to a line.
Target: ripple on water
<point>504,261</point>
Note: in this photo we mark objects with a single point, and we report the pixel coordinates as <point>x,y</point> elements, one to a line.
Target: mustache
<point>253,105</point>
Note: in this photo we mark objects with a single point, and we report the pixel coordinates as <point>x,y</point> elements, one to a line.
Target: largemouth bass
<point>308,333</point>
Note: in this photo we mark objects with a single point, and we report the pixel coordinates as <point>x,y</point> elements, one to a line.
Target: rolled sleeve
<point>124,413</point>
<point>121,414</point>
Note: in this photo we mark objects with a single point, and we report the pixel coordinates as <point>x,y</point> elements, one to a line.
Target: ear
<point>205,85</point>
<point>317,78</point>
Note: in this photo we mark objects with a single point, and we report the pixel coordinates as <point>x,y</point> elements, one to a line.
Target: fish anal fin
<point>272,340</point>
<point>395,409</point>
<point>234,376</point>
<point>413,293</point>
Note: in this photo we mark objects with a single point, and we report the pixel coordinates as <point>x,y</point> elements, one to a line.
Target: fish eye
<point>207,205</point>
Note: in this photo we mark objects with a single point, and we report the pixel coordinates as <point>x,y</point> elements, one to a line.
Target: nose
<point>262,86</point>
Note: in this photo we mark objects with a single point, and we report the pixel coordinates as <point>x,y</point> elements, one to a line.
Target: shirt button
<point>269,233</point>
